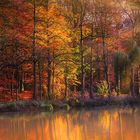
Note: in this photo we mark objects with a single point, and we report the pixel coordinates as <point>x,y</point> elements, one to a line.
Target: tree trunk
<point>21,81</point>
<point>91,72</point>
<point>119,81</point>
<point>12,84</point>
<point>137,81</point>
<point>40,80</point>
<point>82,61</point>
<point>17,83</point>
<point>66,82</point>
<point>105,60</point>
<point>132,82</point>
<point>34,56</point>
<point>53,74</point>
<point>49,74</point>
<point>98,68</point>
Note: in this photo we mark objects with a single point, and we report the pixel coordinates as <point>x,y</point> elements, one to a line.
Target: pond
<point>95,124</point>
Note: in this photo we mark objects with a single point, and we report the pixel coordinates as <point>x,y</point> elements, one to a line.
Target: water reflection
<point>111,124</point>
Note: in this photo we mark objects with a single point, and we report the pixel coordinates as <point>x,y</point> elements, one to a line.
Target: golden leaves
<point>51,27</point>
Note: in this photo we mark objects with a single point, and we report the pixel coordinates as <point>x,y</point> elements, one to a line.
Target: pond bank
<point>33,105</point>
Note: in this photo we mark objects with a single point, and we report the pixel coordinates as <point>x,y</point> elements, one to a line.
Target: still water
<point>95,124</point>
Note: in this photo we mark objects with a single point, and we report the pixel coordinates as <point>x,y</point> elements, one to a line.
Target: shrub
<point>103,88</point>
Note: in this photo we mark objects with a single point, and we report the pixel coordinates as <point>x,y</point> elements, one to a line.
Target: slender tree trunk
<point>49,70</point>
<point>17,83</point>
<point>119,81</point>
<point>98,67</point>
<point>40,80</point>
<point>49,74</point>
<point>12,84</point>
<point>21,81</point>
<point>43,78</point>
<point>132,82</point>
<point>53,74</point>
<point>138,81</point>
<point>34,55</point>
<point>105,58</point>
<point>91,65</point>
<point>82,61</point>
<point>66,82</point>
<point>91,72</point>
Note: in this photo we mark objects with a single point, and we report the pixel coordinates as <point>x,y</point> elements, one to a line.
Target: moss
<point>50,107</point>
<point>12,104</point>
<point>47,106</point>
<point>67,107</point>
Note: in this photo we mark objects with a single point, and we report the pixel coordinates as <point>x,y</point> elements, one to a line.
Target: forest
<point>69,49</point>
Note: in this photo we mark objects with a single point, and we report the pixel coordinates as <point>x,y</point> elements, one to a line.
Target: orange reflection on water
<point>111,124</point>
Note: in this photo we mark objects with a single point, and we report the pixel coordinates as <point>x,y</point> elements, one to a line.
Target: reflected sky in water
<point>95,124</point>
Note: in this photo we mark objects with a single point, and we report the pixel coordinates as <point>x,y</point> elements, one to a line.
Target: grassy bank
<point>19,106</point>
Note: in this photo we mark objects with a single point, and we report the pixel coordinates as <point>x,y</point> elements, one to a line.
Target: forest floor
<point>33,105</point>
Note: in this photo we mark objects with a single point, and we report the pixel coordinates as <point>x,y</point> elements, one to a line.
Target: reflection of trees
<point>95,124</point>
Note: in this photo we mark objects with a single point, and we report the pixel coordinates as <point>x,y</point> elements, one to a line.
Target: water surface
<point>95,124</point>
